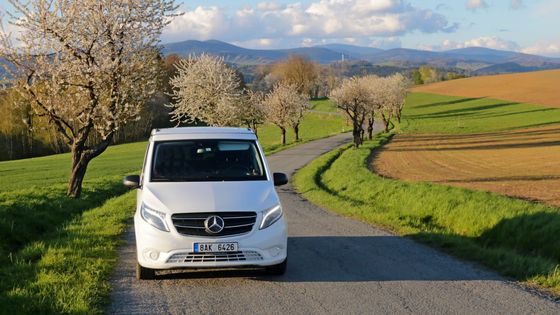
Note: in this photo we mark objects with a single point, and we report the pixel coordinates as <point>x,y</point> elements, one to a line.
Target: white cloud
<point>386,43</point>
<point>550,49</point>
<point>485,41</point>
<point>492,42</point>
<point>322,19</point>
<point>476,4</point>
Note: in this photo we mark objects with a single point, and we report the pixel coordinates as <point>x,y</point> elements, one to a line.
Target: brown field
<point>540,87</point>
<point>520,163</point>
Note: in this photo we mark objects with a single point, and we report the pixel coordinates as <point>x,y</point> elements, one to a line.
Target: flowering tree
<point>206,89</point>
<point>253,113</point>
<point>285,107</point>
<point>86,65</point>
<point>352,98</point>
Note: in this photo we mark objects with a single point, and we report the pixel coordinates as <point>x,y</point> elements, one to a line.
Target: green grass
<point>323,105</point>
<point>431,113</point>
<point>67,271</point>
<point>517,238</point>
<point>56,253</point>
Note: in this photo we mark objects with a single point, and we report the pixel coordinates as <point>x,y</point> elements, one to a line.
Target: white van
<point>206,199</point>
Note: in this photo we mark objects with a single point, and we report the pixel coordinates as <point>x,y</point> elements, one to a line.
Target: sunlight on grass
<point>431,113</point>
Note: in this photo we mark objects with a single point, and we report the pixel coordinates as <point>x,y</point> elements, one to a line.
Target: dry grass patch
<point>520,163</point>
<point>540,87</point>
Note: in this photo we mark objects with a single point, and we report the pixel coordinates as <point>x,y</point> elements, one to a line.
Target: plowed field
<point>520,163</point>
<point>540,87</point>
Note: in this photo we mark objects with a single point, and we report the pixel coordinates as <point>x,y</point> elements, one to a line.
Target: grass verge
<point>515,237</point>
<point>67,271</point>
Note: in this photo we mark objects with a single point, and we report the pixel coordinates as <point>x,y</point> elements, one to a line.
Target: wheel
<point>277,270</point>
<point>143,273</point>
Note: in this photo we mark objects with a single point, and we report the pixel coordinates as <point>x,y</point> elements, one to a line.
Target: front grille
<point>214,257</point>
<point>192,224</point>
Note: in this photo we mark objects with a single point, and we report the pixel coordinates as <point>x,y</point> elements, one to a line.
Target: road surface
<point>337,266</point>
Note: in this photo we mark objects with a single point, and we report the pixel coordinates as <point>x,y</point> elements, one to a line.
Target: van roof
<point>202,132</point>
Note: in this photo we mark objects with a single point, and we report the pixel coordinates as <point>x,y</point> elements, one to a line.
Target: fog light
<point>151,254</point>
<point>274,251</point>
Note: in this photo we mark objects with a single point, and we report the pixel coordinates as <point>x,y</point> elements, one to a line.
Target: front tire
<point>143,273</point>
<point>277,270</point>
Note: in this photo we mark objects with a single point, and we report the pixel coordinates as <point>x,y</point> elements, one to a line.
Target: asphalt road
<point>337,266</point>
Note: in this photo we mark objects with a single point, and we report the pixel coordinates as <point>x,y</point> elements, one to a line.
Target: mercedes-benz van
<point>206,199</point>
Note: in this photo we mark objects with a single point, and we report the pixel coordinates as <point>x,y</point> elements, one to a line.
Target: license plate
<point>215,247</point>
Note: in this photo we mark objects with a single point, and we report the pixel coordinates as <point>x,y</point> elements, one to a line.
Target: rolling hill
<point>475,59</point>
<point>239,55</point>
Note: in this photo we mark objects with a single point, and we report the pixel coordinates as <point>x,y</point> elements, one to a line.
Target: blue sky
<point>531,26</point>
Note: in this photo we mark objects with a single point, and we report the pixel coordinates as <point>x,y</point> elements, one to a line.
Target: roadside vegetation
<point>515,237</point>
<point>64,269</point>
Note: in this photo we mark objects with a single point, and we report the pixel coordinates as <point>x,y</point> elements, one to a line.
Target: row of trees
<point>207,90</point>
<point>363,99</point>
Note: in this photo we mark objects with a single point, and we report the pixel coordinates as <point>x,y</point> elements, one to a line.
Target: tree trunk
<point>296,132</point>
<point>386,121</point>
<point>80,161</point>
<point>357,137</point>
<point>81,156</point>
<point>283,137</point>
<point>370,128</point>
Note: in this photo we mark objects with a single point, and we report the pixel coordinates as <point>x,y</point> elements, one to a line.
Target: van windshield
<point>206,160</point>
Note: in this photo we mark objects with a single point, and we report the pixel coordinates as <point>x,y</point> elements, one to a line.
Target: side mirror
<point>280,179</point>
<point>132,181</point>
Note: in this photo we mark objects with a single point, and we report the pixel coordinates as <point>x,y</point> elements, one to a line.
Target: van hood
<point>174,197</point>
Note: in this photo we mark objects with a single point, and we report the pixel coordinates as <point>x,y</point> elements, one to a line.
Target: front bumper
<point>167,250</point>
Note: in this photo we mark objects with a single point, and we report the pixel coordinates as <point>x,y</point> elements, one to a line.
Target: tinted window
<point>206,160</point>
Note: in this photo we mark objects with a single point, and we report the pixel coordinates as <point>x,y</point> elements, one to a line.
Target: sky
<point>530,26</point>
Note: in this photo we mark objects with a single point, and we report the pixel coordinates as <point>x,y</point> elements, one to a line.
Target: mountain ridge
<point>469,58</point>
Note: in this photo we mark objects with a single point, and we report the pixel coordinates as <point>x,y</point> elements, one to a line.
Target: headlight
<point>270,216</point>
<point>155,218</point>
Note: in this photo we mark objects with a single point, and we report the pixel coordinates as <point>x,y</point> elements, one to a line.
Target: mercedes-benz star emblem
<point>214,224</point>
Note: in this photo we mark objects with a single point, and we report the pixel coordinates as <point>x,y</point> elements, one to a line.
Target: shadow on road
<point>352,259</point>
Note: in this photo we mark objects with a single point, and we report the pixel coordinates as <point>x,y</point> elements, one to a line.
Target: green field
<point>323,105</point>
<point>56,253</point>
<point>431,113</point>
<point>515,237</point>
